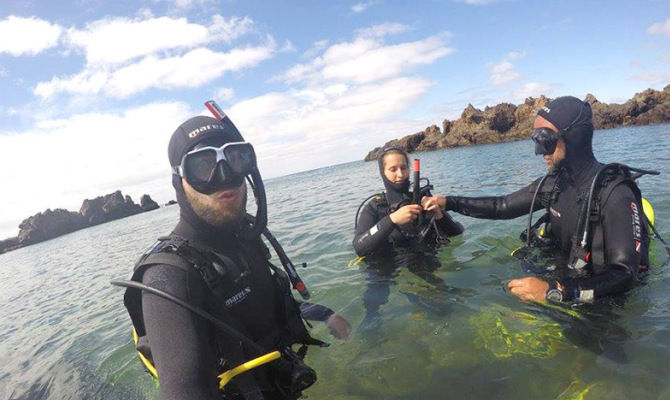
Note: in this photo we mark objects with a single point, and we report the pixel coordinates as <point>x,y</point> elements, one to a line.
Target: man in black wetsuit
<point>608,261</point>
<point>215,260</point>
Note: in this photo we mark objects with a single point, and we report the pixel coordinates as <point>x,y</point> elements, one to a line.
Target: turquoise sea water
<point>64,333</point>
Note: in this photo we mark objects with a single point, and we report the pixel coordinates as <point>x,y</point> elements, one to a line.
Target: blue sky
<point>92,90</point>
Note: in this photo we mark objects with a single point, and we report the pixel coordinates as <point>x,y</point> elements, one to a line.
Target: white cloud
<point>224,94</point>
<point>532,89</point>
<point>185,4</point>
<point>514,55</point>
<point>502,73</point>
<point>360,7</point>
<point>381,30</point>
<point>660,28</point>
<point>477,2</point>
<point>326,124</point>
<point>27,36</point>
<point>316,48</point>
<point>163,52</point>
<point>192,69</point>
<point>653,77</point>
<point>368,59</point>
<point>100,40</point>
<point>84,156</point>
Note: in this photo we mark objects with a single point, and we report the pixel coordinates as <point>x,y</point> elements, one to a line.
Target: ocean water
<point>64,333</point>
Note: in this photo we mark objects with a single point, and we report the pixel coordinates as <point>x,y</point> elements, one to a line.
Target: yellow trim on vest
<point>225,377</point>
<point>648,210</point>
<point>256,362</point>
<point>355,262</point>
<point>145,361</point>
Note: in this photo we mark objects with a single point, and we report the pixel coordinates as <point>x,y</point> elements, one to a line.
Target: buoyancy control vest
<point>225,283</point>
<point>588,244</point>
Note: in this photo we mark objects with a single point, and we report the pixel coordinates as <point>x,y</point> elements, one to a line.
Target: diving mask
<point>545,140</point>
<point>209,169</point>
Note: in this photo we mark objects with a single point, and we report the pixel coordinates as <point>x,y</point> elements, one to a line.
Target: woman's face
<point>396,169</point>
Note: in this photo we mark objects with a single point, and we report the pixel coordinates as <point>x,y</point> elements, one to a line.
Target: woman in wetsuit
<point>388,237</point>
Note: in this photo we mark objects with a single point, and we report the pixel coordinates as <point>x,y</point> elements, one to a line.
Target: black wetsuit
<point>182,343</point>
<point>622,253</point>
<point>377,235</point>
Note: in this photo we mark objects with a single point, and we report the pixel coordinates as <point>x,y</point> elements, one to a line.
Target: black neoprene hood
<point>196,130</point>
<point>573,118</point>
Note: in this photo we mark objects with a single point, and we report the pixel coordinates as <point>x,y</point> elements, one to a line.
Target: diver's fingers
<point>415,209</point>
<point>425,200</point>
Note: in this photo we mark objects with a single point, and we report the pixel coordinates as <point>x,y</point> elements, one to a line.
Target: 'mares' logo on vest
<point>546,109</point>
<point>203,129</point>
<point>637,229</point>
<point>238,297</point>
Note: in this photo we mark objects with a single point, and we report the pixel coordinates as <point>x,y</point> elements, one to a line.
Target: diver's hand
<point>441,202</point>
<point>432,204</point>
<point>406,214</point>
<point>339,327</point>
<point>529,289</point>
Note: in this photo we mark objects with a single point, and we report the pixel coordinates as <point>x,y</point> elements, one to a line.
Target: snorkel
<point>416,188</point>
<point>258,223</point>
<point>254,179</point>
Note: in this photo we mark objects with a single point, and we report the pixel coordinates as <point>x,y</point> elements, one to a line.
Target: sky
<point>90,90</point>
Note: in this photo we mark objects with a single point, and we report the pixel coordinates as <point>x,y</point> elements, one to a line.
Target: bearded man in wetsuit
<point>618,239</point>
<point>225,271</point>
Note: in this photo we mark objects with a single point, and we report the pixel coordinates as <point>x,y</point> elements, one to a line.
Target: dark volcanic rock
<point>147,204</point>
<point>502,117</point>
<point>171,202</point>
<point>107,208</point>
<point>408,143</point>
<point>506,122</point>
<point>49,224</point>
<point>9,244</point>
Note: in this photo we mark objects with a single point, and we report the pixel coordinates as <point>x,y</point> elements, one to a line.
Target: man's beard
<point>220,215</point>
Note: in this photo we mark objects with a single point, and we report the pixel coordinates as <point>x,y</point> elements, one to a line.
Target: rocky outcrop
<point>646,108</point>
<point>171,202</point>
<point>507,122</point>
<point>50,224</point>
<point>108,208</point>
<point>147,204</point>
<point>9,244</point>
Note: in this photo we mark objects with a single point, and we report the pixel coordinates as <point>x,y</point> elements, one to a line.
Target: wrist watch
<point>554,293</point>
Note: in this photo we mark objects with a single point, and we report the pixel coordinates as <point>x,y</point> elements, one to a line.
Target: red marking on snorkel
<point>216,111</point>
<point>416,165</point>
<point>300,287</point>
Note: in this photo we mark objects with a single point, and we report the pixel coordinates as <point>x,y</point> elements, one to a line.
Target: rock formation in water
<point>108,208</point>
<point>507,122</point>
<point>50,224</point>
<point>147,204</point>
<point>9,244</point>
